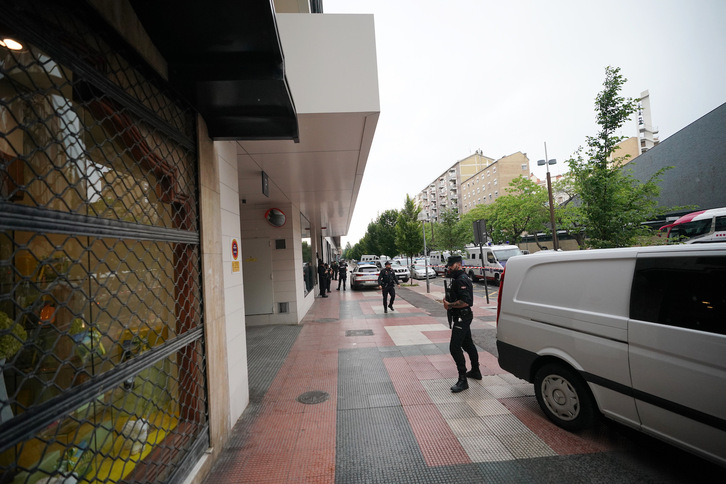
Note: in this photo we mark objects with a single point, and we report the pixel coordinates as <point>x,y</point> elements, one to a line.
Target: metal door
<point>257,273</point>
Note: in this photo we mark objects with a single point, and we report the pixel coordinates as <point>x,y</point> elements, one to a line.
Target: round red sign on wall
<point>235,249</point>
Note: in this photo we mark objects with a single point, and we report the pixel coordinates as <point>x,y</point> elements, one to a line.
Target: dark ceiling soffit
<point>225,57</point>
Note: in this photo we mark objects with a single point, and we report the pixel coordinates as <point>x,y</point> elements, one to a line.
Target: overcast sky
<point>506,76</point>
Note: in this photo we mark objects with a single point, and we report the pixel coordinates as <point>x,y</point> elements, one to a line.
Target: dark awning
<point>225,56</point>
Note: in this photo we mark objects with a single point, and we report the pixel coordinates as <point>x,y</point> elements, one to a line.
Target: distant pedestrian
<point>387,279</point>
<point>461,301</point>
<point>322,279</point>
<point>334,266</point>
<point>342,274</point>
<point>328,277</point>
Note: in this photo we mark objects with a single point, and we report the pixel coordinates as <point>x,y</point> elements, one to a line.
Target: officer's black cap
<point>388,263</point>
<point>453,259</point>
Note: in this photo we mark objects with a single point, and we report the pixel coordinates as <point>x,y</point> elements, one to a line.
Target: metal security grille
<point>101,340</point>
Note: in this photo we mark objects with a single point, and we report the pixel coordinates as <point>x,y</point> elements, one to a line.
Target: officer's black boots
<point>474,373</point>
<point>461,385</point>
<point>391,308</point>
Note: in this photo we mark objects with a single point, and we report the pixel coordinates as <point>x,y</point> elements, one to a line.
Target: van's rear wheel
<point>564,397</point>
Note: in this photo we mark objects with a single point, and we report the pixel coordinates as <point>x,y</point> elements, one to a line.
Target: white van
<point>636,334</point>
<point>493,263</point>
<point>438,260</point>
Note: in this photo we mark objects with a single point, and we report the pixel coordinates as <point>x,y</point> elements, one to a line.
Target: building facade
<point>444,192</point>
<point>486,185</point>
<point>647,133</point>
<point>160,192</point>
<point>694,158</point>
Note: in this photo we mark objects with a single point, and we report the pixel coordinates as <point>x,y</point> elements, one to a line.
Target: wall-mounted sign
<point>235,256</point>
<point>275,217</point>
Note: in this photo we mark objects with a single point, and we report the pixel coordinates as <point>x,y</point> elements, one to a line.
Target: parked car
<point>635,334</point>
<point>401,271</point>
<point>418,271</point>
<point>364,275</point>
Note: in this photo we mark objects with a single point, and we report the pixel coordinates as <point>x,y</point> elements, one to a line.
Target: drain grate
<point>311,398</point>
<point>359,332</point>
<point>326,320</point>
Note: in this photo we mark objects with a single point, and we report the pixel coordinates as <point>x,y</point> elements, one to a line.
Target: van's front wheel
<point>564,397</point>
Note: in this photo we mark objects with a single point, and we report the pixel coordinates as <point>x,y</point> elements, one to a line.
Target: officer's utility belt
<point>462,313</point>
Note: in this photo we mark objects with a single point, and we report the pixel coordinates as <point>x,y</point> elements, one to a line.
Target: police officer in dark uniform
<point>342,274</point>
<point>387,279</point>
<point>322,279</point>
<point>461,299</point>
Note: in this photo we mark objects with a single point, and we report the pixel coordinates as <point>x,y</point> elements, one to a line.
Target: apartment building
<point>444,192</point>
<point>487,184</point>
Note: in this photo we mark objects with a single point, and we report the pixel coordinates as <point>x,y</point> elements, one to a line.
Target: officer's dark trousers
<point>386,291</point>
<point>322,280</point>
<point>342,280</point>
<point>461,338</point>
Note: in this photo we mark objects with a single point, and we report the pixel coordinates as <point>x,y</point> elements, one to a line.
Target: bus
<point>698,227</point>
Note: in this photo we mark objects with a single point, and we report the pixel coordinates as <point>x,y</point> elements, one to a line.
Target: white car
<point>364,275</point>
<point>418,271</point>
<point>401,272</point>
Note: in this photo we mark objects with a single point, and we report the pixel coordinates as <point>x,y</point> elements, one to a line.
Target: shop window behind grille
<point>101,346</point>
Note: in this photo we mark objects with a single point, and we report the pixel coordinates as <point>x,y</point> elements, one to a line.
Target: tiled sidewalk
<point>386,413</point>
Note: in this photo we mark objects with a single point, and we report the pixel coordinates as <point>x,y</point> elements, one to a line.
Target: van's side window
<point>720,224</point>
<point>689,292</point>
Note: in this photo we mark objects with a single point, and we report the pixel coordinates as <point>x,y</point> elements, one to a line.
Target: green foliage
<point>12,337</point>
<point>307,252</point>
<point>482,211</point>
<point>380,238</point>
<point>450,233</point>
<point>347,251</point>
<point>357,251</point>
<point>613,202</point>
<point>522,209</point>
<point>409,235</point>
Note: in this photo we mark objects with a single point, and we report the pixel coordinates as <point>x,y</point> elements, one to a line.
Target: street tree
<point>479,212</point>
<point>522,209</point>
<point>347,251</point>
<point>386,233</point>
<point>613,203</point>
<point>409,236</point>
<point>451,235</point>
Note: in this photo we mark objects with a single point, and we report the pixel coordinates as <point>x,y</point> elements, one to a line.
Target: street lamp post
<point>547,163</point>
<point>423,216</point>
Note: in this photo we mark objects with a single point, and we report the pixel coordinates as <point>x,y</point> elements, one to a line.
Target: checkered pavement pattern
<point>388,415</point>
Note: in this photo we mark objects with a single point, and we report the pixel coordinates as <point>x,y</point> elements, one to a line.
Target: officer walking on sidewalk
<point>461,299</point>
<point>387,279</point>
